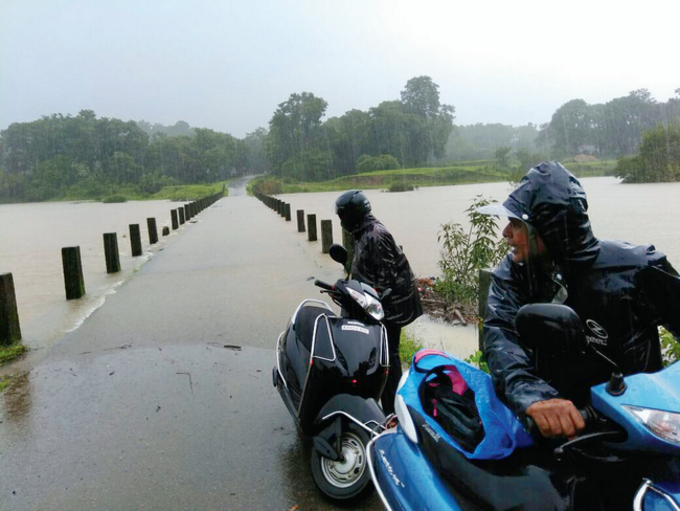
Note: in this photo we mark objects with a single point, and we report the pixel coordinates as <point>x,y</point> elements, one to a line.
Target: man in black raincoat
<point>380,263</point>
<point>621,293</point>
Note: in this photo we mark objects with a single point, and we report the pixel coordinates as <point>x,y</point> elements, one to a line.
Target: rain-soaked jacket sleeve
<point>511,368</point>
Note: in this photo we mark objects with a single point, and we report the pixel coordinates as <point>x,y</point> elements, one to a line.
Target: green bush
<point>464,253</point>
<point>268,186</point>
<point>670,347</point>
<point>478,360</point>
<point>114,198</point>
<point>408,346</point>
<point>367,163</point>
<point>401,187</point>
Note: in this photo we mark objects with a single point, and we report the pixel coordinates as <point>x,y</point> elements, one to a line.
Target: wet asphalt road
<point>143,406</point>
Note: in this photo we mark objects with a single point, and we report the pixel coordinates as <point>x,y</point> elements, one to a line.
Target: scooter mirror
<point>338,253</point>
<point>541,323</point>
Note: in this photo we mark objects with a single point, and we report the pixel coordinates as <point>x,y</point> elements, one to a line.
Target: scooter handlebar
<point>589,416</point>
<point>323,285</point>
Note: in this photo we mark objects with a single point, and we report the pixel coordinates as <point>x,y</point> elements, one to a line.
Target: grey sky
<point>226,65</point>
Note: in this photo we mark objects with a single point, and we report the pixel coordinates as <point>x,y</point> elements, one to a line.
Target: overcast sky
<point>227,64</point>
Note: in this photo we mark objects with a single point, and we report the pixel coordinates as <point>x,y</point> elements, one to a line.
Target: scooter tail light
<point>665,425</point>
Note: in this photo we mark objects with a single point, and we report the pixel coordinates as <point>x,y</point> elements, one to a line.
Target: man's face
<point>517,236</point>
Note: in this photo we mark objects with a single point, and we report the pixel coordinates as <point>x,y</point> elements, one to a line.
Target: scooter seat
<point>304,324</point>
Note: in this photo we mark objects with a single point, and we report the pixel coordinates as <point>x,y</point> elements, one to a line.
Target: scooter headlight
<point>665,425</point>
<point>374,308</point>
<point>360,298</point>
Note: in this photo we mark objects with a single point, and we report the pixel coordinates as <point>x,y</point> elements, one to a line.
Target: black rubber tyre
<point>351,478</point>
<point>275,376</point>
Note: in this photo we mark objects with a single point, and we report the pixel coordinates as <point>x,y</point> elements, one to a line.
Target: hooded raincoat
<point>379,262</point>
<point>620,291</point>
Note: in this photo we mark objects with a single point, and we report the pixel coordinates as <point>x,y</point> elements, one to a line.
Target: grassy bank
<point>469,172</point>
<point>124,193</point>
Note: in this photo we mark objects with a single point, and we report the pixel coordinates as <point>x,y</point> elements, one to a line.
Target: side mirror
<point>338,253</point>
<point>540,324</point>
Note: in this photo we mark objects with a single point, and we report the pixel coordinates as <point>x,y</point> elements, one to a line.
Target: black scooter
<point>330,371</point>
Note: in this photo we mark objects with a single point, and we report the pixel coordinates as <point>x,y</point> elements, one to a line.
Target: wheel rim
<point>343,474</point>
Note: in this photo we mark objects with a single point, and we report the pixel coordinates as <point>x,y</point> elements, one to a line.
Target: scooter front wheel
<point>349,477</point>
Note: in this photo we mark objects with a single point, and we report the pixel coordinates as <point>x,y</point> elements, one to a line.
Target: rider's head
<point>550,207</point>
<point>352,207</point>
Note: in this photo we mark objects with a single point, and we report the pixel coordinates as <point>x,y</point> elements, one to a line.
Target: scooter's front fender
<point>364,412</point>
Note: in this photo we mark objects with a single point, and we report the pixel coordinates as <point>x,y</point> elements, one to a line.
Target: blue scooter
<point>629,453</point>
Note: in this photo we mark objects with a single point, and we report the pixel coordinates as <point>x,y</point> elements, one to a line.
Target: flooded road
<point>142,407</point>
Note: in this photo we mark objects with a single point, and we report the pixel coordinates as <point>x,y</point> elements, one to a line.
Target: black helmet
<point>352,207</point>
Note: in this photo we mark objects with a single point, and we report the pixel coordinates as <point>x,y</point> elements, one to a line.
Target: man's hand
<point>556,417</point>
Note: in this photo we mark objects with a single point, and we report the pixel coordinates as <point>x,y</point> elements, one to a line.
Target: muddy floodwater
<point>31,239</point>
<point>32,235</point>
<point>640,213</point>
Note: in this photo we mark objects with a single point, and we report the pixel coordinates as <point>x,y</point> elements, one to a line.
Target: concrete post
<point>153,232</point>
<point>180,210</point>
<point>326,235</point>
<point>175,220</point>
<point>10,331</point>
<point>301,220</point>
<point>111,252</point>
<point>311,227</point>
<point>135,240</point>
<point>484,284</point>
<point>166,230</point>
<point>348,242</point>
<point>73,272</point>
<point>287,211</point>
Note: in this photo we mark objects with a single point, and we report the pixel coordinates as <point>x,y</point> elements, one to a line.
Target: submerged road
<point>143,406</point>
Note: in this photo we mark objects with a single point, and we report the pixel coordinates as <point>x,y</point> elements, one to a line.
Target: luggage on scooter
<point>469,418</point>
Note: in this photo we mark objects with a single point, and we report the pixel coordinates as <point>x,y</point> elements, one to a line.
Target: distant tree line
<point>612,129</point>
<point>409,132</point>
<point>39,160</point>
<point>42,159</point>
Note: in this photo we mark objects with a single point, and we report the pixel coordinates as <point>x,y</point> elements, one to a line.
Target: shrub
<point>401,187</point>
<point>670,347</point>
<point>114,198</point>
<point>269,186</point>
<point>408,346</point>
<point>463,254</point>
<point>367,163</point>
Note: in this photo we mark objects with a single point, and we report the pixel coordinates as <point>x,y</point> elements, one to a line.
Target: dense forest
<point>88,156</point>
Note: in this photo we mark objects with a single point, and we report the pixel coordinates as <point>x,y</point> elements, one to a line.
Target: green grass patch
<point>597,168</point>
<point>189,192</point>
<point>9,353</point>
<point>381,179</point>
<point>4,381</point>
<point>408,346</point>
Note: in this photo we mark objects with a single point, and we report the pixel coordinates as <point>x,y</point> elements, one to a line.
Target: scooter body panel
<point>345,356</point>
<point>403,477</point>
<point>659,391</point>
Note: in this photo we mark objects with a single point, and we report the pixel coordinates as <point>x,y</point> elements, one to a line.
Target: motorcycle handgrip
<point>323,285</point>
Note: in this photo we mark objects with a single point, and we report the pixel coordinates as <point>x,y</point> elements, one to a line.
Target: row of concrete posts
<point>284,209</point>
<point>74,283</point>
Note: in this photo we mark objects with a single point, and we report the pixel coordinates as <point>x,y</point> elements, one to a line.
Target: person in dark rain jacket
<point>621,293</point>
<point>380,263</point>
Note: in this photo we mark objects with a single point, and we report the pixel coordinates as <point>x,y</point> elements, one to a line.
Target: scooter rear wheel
<point>350,477</point>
